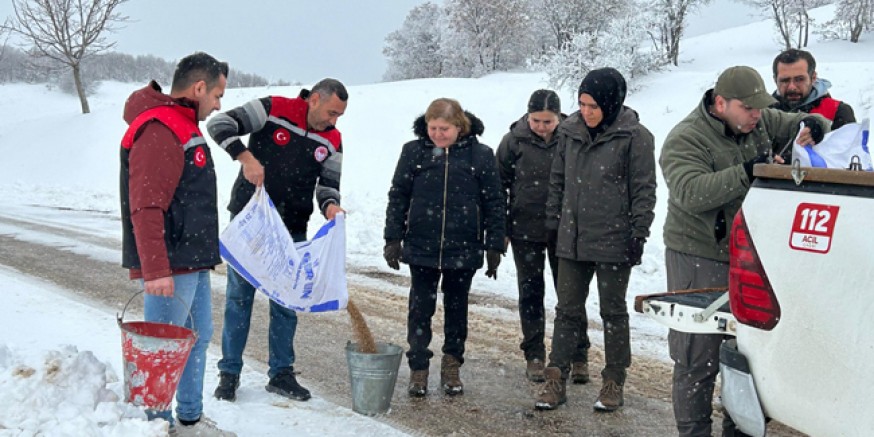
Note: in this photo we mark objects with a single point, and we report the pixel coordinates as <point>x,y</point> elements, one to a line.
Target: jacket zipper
<point>443,225</point>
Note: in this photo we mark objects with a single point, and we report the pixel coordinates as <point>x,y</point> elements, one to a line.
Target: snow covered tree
<point>414,50</point>
<point>670,24</point>
<point>488,35</point>
<point>566,18</point>
<point>67,31</point>
<point>852,18</point>
<point>619,45</point>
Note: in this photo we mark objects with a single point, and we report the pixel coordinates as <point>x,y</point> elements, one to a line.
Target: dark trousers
<point>695,356</point>
<point>423,302</point>
<point>530,258</point>
<point>570,314</point>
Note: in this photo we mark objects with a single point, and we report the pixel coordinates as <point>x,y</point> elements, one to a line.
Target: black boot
<point>227,386</point>
<point>285,384</point>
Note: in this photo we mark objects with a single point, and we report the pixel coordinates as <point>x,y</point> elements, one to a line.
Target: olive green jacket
<point>703,167</point>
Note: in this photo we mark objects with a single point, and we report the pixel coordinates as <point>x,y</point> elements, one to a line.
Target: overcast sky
<point>278,39</point>
<point>301,40</point>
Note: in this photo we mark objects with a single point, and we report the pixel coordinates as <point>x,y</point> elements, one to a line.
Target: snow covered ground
<point>54,156</point>
<point>60,375</point>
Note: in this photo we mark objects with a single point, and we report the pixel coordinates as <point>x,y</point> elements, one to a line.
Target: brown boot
<point>449,379</point>
<point>610,398</point>
<point>552,392</point>
<point>418,383</point>
<point>580,372</point>
<point>534,370</point>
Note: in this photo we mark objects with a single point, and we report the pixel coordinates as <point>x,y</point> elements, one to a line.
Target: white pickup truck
<point>801,294</point>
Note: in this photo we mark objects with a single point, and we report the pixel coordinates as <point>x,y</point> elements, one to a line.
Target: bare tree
<point>852,18</point>
<point>791,19</point>
<point>4,38</point>
<point>671,24</point>
<point>67,31</point>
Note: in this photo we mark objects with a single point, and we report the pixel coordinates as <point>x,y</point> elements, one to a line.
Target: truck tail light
<point>751,296</point>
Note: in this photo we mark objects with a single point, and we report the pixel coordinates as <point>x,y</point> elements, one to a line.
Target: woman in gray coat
<point>600,207</point>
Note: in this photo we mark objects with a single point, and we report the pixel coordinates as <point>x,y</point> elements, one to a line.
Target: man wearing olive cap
<point>707,162</point>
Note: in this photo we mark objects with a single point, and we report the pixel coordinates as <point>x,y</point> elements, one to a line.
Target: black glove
<point>816,131</point>
<point>493,259</point>
<point>635,250</point>
<point>392,253</point>
<point>748,166</point>
<point>551,232</point>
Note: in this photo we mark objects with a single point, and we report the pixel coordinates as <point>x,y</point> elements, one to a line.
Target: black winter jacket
<point>446,204</point>
<point>297,161</point>
<point>524,160</point>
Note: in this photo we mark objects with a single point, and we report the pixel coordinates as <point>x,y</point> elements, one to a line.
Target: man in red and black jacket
<point>799,89</point>
<point>169,216</point>
<point>293,150</point>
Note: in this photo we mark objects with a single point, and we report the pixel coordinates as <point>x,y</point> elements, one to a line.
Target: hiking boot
<point>203,428</point>
<point>610,398</point>
<point>285,384</point>
<point>580,372</point>
<point>227,387</point>
<point>534,370</point>
<point>418,383</point>
<point>552,392</point>
<point>449,379</point>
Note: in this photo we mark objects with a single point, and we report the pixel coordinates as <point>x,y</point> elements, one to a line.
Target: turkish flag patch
<point>199,157</point>
<point>281,136</point>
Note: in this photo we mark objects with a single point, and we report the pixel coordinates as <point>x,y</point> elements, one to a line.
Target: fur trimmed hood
<point>420,126</point>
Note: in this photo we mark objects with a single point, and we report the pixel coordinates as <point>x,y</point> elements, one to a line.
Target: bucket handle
<point>120,317</point>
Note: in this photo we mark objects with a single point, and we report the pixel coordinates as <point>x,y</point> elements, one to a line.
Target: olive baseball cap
<point>745,84</point>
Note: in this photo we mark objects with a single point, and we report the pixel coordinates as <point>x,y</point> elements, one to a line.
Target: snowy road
<point>79,256</point>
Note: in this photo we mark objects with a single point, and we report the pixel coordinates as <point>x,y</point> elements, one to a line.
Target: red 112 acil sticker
<point>813,227</point>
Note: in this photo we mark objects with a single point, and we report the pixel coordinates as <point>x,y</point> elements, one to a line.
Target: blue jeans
<point>194,290</point>
<point>240,295</point>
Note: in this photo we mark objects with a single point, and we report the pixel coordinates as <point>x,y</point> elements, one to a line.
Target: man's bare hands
<point>160,287</point>
<point>332,210</point>
<point>253,171</point>
<point>805,138</point>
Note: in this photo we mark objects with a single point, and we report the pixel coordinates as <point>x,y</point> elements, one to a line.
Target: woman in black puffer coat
<point>445,207</point>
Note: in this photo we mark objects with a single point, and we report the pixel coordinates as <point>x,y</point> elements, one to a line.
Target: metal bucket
<point>154,356</point>
<point>373,377</point>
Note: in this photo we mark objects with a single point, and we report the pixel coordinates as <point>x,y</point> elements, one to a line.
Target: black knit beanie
<point>608,88</point>
<point>544,100</point>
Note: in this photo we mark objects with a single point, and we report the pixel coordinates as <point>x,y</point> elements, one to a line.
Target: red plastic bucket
<point>154,356</point>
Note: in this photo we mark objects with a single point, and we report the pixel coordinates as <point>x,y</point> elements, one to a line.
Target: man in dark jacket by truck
<point>707,161</point>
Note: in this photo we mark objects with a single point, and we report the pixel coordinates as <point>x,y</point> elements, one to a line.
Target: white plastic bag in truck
<point>837,149</point>
<point>308,276</point>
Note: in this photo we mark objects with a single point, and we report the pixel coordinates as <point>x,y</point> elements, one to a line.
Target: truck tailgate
<point>700,311</point>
